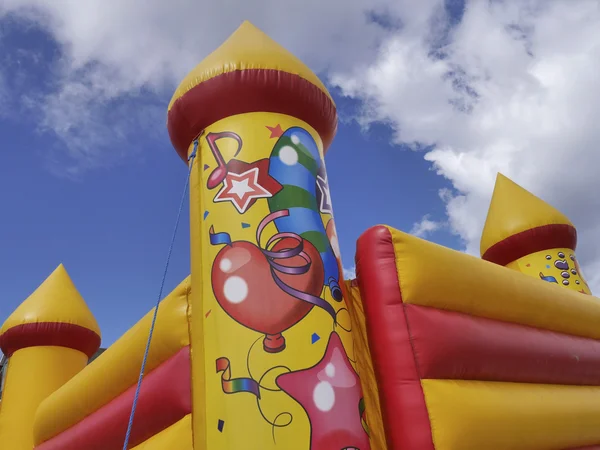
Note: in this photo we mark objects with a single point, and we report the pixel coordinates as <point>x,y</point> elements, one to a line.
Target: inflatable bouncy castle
<point>266,347</point>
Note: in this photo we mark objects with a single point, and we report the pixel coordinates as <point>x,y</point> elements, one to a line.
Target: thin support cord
<point>162,285</point>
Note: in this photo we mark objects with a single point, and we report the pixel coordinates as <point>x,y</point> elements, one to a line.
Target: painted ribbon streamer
<point>363,419</point>
<point>235,385</point>
<point>272,256</point>
<point>219,238</point>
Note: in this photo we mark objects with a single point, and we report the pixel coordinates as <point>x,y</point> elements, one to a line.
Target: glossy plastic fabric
<point>271,318</point>
<point>364,365</point>
<point>117,368</point>
<point>249,72</point>
<point>405,416</point>
<point>48,338</point>
<point>56,300</point>
<point>33,374</point>
<point>177,436</point>
<point>164,399</point>
<point>514,210</point>
<point>462,283</point>
<point>492,360</point>
<point>524,233</point>
<point>475,415</point>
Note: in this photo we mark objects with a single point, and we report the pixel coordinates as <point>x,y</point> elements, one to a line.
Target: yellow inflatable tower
<point>271,339</point>
<point>524,233</point>
<point>48,339</point>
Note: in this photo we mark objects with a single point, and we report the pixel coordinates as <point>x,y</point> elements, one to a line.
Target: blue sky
<point>111,226</point>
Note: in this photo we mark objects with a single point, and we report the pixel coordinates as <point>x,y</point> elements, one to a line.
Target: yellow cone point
<point>247,48</point>
<point>526,234</point>
<point>48,339</point>
<point>514,210</point>
<point>248,73</point>
<point>55,300</point>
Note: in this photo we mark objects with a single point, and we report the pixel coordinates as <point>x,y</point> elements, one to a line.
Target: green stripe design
<point>304,156</point>
<point>292,197</point>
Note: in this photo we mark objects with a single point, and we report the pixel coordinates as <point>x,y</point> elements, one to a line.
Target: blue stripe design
<point>300,221</point>
<point>331,266</point>
<point>296,175</point>
<point>307,141</point>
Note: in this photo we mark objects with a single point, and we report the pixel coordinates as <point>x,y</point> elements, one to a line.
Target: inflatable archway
<point>266,346</point>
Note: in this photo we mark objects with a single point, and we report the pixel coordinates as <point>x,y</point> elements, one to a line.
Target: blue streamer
<point>219,238</point>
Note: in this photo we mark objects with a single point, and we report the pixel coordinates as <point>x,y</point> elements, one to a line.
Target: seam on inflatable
<point>197,290</point>
<point>395,245</point>
<point>188,315</point>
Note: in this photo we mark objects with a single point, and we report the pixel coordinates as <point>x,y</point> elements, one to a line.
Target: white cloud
<point>425,227</point>
<point>112,51</point>
<point>517,89</point>
<point>349,273</point>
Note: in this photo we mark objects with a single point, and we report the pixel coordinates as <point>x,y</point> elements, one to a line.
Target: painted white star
<point>325,206</point>
<point>241,189</point>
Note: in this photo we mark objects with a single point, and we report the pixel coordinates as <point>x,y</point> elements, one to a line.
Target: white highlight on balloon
<point>330,370</point>
<point>295,139</point>
<point>335,245</point>
<point>288,155</point>
<point>324,396</point>
<point>235,290</point>
<point>225,265</point>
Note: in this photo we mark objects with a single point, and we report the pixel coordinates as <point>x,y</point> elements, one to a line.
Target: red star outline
<point>242,204</point>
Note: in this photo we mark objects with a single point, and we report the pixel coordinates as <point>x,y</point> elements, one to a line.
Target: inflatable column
<point>270,330</point>
<point>524,233</point>
<point>48,339</point>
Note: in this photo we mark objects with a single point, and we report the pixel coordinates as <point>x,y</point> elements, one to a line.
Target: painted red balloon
<point>246,290</point>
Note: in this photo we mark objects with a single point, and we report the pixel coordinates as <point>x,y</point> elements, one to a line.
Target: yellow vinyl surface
<point>364,365</point>
<point>477,415</point>
<point>436,276</point>
<point>513,210</point>
<point>118,367</point>
<point>177,437</point>
<point>540,265</point>
<point>33,374</point>
<point>276,420</point>
<point>247,48</point>
<point>55,300</point>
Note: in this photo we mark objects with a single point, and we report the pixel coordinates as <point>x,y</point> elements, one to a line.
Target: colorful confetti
<point>314,338</point>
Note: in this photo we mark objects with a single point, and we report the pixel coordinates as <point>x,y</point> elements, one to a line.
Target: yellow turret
<point>48,339</point>
<point>220,87</point>
<point>260,121</point>
<point>524,233</point>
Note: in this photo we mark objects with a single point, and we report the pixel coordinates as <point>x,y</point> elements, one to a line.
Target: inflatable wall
<point>266,346</point>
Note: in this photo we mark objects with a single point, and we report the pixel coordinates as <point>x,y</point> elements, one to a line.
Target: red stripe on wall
<point>452,345</point>
<point>405,416</point>
<point>165,398</point>
<point>531,241</point>
<point>49,334</point>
